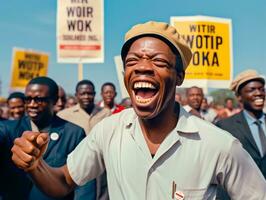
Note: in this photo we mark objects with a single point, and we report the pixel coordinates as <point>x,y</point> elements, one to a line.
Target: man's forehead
<point>195,90</point>
<point>85,87</point>
<point>37,86</point>
<point>148,42</point>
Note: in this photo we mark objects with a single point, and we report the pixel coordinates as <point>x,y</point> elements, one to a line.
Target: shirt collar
<point>36,129</point>
<point>251,120</point>
<point>185,124</point>
<point>95,110</point>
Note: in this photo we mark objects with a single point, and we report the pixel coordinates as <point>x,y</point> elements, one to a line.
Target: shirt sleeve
<point>240,176</point>
<point>86,161</point>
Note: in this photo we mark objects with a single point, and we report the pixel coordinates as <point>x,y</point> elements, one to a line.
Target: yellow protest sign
<point>211,44</point>
<point>26,65</point>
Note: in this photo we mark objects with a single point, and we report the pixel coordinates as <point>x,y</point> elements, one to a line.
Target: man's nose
<point>145,67</point>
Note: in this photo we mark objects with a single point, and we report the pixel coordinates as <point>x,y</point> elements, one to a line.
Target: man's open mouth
<point>259,102</point>
<point>144,91</point>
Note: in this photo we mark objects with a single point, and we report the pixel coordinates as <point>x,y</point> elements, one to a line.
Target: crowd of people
<point>157,144</point>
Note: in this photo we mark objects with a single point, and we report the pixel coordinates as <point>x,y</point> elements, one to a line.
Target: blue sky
<point>32,24</point>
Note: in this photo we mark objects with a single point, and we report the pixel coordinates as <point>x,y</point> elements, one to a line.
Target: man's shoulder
<point>67,126</point>
<point>68,111</point>
<point>12,129</point>
<point>102,111</point>
<point>15,124</point>
<point>229,121</point>
<point>64,123</point>
<point>124,117</point>
<point>212,136</point>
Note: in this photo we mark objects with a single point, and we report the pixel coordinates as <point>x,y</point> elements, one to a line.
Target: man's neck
<point>43,124</point>
<point>156,130</point>
<point>255,114</point>
<point>89,109</point>
<point>109,106</point>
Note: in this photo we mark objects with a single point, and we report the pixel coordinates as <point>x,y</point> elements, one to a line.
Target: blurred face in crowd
<point>85,96</point>
<point>5,112</point>
<point>71,101</point>
<point>16,108</point>
<point>61,102</point>
<point>38,103</point>
<point>194,97</point>
<point>204,104</point>
<point>229,104</point>
<point>252,96</point>
<point>178,98</point>
<point>151,77</point>
<point>108,95</point>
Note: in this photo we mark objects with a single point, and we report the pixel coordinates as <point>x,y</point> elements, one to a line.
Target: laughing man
<point>156,150</point>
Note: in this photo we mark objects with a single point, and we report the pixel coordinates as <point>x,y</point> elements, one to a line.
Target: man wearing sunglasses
<point>41,94</point>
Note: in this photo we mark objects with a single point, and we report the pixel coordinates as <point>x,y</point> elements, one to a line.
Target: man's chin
<point>145,114</point>
<point>33,117</point>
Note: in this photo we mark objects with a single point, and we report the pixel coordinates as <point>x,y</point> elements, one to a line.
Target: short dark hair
<point>50,83</point>
<point>229,98</point>
<point>85,82</point>
<point>108,83</point>
<point>194,87</point>
<point>16,95</point>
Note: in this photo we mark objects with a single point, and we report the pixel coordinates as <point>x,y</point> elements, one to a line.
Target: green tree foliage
<point>220,95</point>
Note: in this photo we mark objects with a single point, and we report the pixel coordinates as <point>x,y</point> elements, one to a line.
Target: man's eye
<point>131,61</point>
<point>160,62</point>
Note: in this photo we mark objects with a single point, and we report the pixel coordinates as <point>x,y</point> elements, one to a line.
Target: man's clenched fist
<point>28,149</point>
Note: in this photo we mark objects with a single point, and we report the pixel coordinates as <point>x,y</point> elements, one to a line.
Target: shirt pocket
<point>197,194</point>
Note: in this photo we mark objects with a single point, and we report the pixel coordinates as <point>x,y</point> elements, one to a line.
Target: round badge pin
<point>54,136</point>
<point>179,195</point>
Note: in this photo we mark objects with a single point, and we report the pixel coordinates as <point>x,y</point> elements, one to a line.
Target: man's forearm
<point>55,182</point>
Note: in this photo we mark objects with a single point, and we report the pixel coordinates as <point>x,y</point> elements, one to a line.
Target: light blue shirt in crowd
<point>254,128</point>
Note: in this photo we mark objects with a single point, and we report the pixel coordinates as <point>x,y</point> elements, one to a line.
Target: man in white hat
<point>156,150</point>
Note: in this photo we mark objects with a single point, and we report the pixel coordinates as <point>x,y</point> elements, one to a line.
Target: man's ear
<point>180,77</point>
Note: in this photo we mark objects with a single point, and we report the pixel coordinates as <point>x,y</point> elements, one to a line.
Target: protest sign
<point>26,65</point>
<point>120,76</point>
<point>211,43</point>
<point>80,34</point>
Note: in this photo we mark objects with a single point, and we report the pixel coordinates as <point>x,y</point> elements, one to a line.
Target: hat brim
<point>243,82</point>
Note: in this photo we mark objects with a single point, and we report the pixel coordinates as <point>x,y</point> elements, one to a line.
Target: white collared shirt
<point>191,161</point>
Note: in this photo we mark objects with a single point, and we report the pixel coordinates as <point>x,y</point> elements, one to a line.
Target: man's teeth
<point>259,101</point>
<point>142,100</point>
<point>143,85</point>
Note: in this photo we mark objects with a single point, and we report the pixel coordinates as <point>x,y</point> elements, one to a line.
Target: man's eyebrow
<point>150,54</point>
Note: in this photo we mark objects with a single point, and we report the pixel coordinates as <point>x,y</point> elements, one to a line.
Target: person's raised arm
<point>27,155</point>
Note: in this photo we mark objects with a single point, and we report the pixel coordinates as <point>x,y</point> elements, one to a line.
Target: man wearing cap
<point>156,150</point>
<point>249,125</point>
